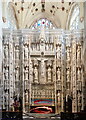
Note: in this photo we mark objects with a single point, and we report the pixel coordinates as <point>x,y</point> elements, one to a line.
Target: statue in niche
<point>42,70</point>
<point>25,84</point>
<point>26,97</point>
<point>26,52</point>
<point>49,74</point>
<point>7,97</point>
<point>17,74</point>
<point>78,53</point>
<point>17,52</point>
<point>79,74</point>
<point>68,74</point>
<point>58,74</point>
<point>68,54</point>
<point>26,73</point>
<point>6,73</point>
<point>35,74</point>
<point>6,51</point>
<point>59,52</point>
<point>31,71</point>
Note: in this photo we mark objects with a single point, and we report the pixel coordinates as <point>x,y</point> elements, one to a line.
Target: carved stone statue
<point>7,98</point>
<point>26,97</point>
<point>58,74</point>
<point>49,74</point>
<point>6,73</point>
<point>42,70</point>
<point>68,74</point>
<point>17,53</point>
<point>26,73</point>
<point>17,74</point>
<point>26,52</point>
<point>58,52</point>
<point>31,71</point>
<point>68,54</point>
<point>79,74</point>
<point>35,74</point>
<point>6,51</point>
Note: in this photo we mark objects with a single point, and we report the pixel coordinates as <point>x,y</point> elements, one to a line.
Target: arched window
<point>74,21</point>
<point>43,23</point>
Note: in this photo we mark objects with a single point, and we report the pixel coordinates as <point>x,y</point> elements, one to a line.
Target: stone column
<point>74,91</point>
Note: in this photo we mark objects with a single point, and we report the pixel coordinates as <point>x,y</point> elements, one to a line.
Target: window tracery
<point>43,23</point>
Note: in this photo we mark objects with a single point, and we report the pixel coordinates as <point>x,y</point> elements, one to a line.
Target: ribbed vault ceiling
<point>24,14</point>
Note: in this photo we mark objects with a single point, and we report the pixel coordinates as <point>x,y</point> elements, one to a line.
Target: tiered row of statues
<point>52,61</point>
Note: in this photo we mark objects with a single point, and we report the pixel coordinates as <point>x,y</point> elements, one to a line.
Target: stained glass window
<point>43,22</point>
<point>74,22</point>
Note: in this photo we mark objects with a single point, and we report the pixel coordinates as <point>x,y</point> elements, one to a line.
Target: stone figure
<point>58,74</point>
<point>59,52</point>
<point>26,73</point>
<point>26,52</point>
<point>6,51</point>
<point>79,74</point>
<point>35,74</point>
<point>26,97</point>
<point>17,74</point>
<point>7,98</point>
<point>42,70</point>
<point>25,84</point>
<point>31,71</point>
<point>6,73</point>
<point>49,74</point>
<point>17,53</point>
<point>68,54</point>
<point>68,74</point>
